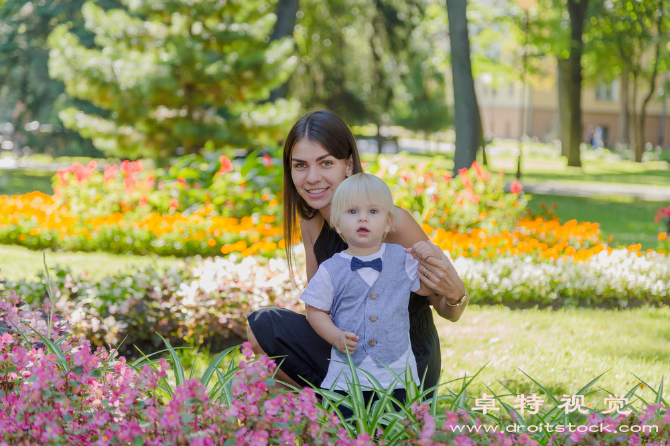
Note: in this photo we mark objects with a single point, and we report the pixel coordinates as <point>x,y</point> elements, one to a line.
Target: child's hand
<point>423,251</point>
<point>346,340</point>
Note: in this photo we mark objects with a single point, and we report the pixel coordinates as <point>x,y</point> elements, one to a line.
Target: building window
<point>608,91</point>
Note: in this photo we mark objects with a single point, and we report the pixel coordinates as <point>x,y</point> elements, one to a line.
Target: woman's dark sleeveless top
<point>422,331</point>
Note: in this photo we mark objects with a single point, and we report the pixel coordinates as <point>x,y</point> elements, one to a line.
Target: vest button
<point>373,318</point>
<point>373,296</point>
<point>372,342</point>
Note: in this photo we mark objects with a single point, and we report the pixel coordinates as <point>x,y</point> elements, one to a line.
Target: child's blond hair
<point>362,188</point>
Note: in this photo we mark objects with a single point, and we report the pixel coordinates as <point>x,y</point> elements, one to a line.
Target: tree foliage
<point>629,41</point>
<point>372,61</point>
<point>168,76</point>
<point>28,96</point>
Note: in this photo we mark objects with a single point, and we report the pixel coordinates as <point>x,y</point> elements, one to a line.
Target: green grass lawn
<point>629,220</point>
<point>562,350</point>
<point>655,173</point>
<point>17,262</point>
<point>538,169</point>
<point>15,182</point>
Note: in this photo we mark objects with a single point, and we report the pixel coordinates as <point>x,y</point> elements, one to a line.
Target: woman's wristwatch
<point>460,301</point>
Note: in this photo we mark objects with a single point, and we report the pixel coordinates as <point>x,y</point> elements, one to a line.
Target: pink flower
<point>247,351</point>
<point>634,440</point>
<point>259,438</point>
<point>226,165</point>
<point>516,187</point>
<point>6,339</point>
<point>174,203</point>
<point>110,172</point>
<point>267,160</point>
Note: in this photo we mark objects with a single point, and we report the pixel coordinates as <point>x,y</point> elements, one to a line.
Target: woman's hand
<point>438,273</point>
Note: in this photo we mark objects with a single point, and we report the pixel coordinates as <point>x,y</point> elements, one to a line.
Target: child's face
<point>364,225</point>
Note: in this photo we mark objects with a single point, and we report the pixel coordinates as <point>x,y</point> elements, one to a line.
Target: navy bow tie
<point>357,263</point>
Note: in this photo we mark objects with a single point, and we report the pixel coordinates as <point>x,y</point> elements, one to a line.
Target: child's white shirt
<point>320,294</point>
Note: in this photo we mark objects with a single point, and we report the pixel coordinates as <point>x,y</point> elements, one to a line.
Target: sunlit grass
<point>563,350</point>
<point>628,219</point>
<point>17,262</point>
<point>15,182</point>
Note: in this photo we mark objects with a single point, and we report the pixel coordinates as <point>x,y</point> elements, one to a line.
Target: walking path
<point>580,189</point>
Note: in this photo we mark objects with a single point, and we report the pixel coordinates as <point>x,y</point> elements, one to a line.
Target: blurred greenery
<point>28,95</point>
<point>169,76</point>
<point>16,182</point>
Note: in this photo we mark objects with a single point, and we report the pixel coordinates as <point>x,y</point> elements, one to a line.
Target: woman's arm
<point>441,276</point>
<point>322,323</point>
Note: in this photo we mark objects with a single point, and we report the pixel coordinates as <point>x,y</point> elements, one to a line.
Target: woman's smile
<point>317,193</point>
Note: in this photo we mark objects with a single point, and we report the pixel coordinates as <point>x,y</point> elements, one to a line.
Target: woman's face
<point>316,173</point>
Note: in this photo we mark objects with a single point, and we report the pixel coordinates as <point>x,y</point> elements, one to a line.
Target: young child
<point>358,299</point>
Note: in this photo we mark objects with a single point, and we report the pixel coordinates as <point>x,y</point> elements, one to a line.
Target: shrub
<point>475,198</point>
<point>194,182</point>
<point>206,302</point>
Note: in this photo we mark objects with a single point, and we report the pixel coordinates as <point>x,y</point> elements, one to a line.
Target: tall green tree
<point>286,11</point>
<point>577,13</point>
<point>29,99</point>
<point>420,97</point>
<point>170,75</point>
<point>372,61</point>
<point>467,122</point>
<point>630,42</point>
<point>558,29</point>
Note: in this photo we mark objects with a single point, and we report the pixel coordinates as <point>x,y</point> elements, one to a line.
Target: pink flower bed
<point>65,394</point>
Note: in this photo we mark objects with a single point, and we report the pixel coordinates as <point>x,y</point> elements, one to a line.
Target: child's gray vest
<point>378,315</point>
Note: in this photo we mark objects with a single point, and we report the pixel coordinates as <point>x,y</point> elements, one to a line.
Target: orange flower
<point>662,236</point>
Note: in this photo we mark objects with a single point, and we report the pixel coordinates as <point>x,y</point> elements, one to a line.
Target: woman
<point>319,153</point>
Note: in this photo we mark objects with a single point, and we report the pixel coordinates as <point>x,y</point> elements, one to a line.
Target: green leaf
<point>187,418</point>
<point>54,349</point>
<point>207,376</point>
<point>177,368</point>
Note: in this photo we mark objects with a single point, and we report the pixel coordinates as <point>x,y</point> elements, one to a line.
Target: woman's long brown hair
<point>329,131</point>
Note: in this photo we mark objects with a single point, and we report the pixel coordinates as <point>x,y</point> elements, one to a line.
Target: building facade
<point>602,115</point>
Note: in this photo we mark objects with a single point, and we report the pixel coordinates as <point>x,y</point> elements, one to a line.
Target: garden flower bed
<point>37,221</point>
<point>213,206</point>
<point>208,301</point>
<point>62,393</point>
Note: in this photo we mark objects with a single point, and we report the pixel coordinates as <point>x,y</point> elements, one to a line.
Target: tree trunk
<point>286,14</point>
<point>624,132</point>
<point>564,105</point>
<point>640,142</point>
<point>466,112</point>
<point>636,128</point>
<point>482,140</point>
<point>577,12</point>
